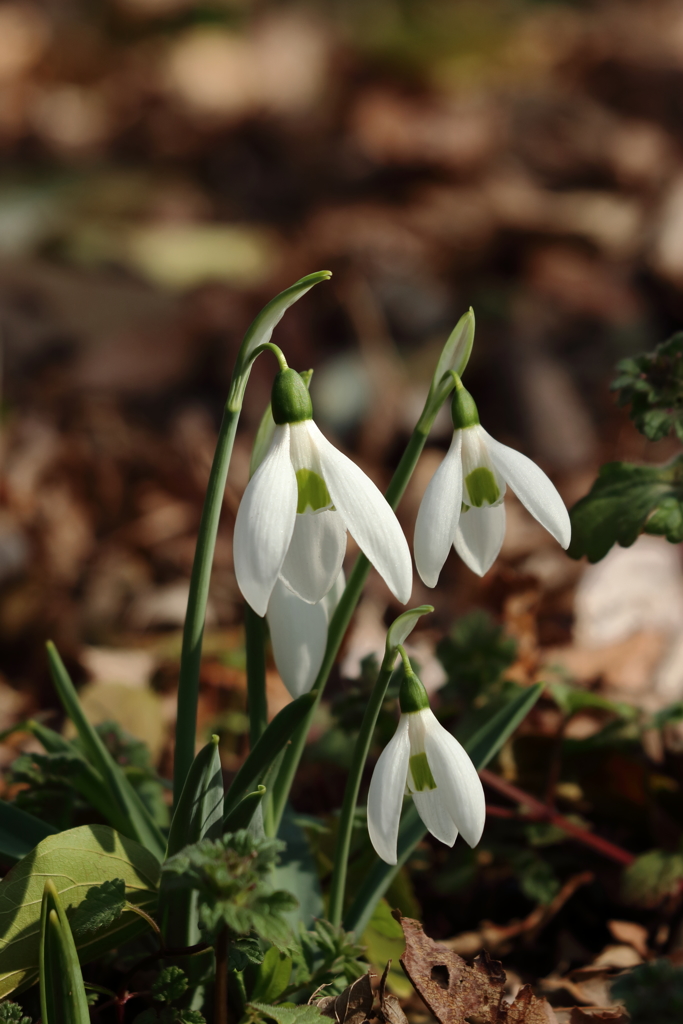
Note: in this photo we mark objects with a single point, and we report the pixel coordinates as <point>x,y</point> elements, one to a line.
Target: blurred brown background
<point>168,165</point>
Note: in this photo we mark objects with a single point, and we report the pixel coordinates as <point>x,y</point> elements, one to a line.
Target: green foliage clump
<point>170,985</point>
<point>12,1013</point>
<point>230,875</point>
<point>652,384</point>
<point>327,955</point>
<point>652,992</point>
<point>652,877</point>
<point>475,655</point>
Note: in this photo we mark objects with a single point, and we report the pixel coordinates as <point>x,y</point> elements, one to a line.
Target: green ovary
<point>313,492</point>
<point>421,773</point>
<point>482,487</point>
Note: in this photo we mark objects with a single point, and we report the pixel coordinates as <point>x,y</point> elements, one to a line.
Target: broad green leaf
<point>623,502</point>
<point>20,832</point>
<point>273,976</point>
<point>140,825</point>
<point>289,1014</point>
<point>62,992</point>
<point>297,873</point>
<point>199,815</point>
<point>482,747</point>
<point>274,739</point>
<point>75,861</point>
<point>652,878</point>
<point>261,330</point>
<point>384,941</point>
<point>240,816</point>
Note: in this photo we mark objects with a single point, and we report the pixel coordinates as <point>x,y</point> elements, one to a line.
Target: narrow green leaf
<point>273,740</point>
<point>140,825</point>
<point>241,815</point>
<point>20,832</point>
<point>482,747</point>
<point>62,992</point>
<point>74,861</point>
<point>199,815</point>
<point>289,1014</point>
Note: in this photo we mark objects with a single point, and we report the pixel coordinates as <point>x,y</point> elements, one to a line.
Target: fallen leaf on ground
<point>352,1006</point>
<point>390,1011</point>
<point>457,993</point>
<point>630,933</point>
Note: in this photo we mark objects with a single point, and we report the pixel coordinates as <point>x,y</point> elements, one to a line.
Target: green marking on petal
<point>313,492</point>
<point>421,773</point>
<point>482,487</point>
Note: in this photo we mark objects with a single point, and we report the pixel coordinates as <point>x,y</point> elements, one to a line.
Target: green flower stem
<point>360,754</point>
<point>257,701</point>
<point>347,604</point>
<point>193,630</point>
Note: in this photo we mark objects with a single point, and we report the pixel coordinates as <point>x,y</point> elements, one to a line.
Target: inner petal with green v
<point>421,773</point>
<point>482,487</point>
<point>313,492</point>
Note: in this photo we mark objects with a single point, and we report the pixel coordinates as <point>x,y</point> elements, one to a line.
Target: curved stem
<point>342,617</point>
<point>360,755</point>
<point>193,630</point>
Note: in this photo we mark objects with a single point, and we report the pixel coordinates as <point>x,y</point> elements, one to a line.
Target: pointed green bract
<point>402,627</point>
<point>421,773</point>
<point>482,487</point>
<point>456,352</point>
<point>62,993</point>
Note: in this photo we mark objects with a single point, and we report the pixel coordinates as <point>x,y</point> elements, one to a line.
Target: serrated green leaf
<point>289,1015</point>
<point>170,985</point>
<point>12,1013</point>
<point>652,383</point>
<point>244,951</point>
<point>625,500</point>
<point>74,860</point>
<point>103,904</point>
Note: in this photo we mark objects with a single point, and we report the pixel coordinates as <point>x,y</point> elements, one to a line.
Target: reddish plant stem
<point>537,809</point>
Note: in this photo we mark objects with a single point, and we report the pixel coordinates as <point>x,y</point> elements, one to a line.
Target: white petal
<point>479,537</point>
<point>533,488</point>
<point>433,812</point>
<point>457,781</point>
<point>367,515</point>
<point>385,797</point>
<point>315,554</point>
<point>298,633</point>
<point>264,525</point>
<point>437,519</point>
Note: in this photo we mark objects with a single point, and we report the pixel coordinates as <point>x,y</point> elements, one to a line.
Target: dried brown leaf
<point>352,1006</point>
<point>457,993</point>
<point>390,1011</point>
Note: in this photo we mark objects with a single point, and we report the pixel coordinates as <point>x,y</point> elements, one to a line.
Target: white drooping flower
<point>297,508</point>
<point>298,633</point>
<point>463,504</point>
<point>426,762</point>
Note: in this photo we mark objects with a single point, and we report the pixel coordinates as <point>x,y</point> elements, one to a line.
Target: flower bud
<point>290,400</point>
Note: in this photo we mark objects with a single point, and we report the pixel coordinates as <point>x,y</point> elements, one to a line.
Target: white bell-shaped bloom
<point>463,504</point>
<point>298,634</point>
<point>426,762</point>
<point>298,506</point>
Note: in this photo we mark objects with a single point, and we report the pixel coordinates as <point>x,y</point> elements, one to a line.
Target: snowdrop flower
<point>298,506</point>
<point>463,504</point>
<point>298,633</point>
<point>425,761</point>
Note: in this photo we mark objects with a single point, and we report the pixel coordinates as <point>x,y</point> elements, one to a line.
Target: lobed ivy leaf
<point>625,501</point>
<point>103,904</point>
<point>652,383</point>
